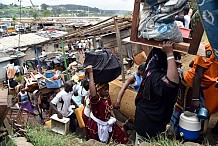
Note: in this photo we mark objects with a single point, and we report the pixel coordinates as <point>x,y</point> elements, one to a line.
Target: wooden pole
<point>94,42</point>
<point>196,38</point>
<point>65,60</point>
<point>38,60</point>
<point>135,21</point>
<point>119,46</point>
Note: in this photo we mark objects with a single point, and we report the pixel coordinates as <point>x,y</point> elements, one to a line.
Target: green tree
<point>35,15</point>
<point>2,6</point>
<point>44,6</point>
<point>46,13</point>
<point>14,20</point>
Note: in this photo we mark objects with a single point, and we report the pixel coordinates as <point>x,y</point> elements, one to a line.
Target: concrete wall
<point>30,53</point>
<point>5,63</point>
<point>50,47</point>
<point>21,61</point>
<point>2,70</point>
<point>110,41</point>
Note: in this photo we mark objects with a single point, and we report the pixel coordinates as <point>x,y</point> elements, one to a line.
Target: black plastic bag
<point>106,67</point>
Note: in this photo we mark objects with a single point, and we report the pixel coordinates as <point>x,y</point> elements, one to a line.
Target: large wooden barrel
<point>128,101</point>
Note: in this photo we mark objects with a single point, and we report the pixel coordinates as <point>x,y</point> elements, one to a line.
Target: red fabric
<point>101,109</point>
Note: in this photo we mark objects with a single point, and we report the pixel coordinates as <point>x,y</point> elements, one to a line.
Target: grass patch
<point>161,140</point>
<point>42,136</point>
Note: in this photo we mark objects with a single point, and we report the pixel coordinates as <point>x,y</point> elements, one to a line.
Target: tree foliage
<point>56,11</point>
<point>46,13</point>
<point>44,6</point>
<point>35,15</point>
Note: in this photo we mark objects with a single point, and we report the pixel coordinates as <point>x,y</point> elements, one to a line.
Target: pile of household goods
<point>50,79</point>
<point>158,20</point>
<point>106,68</point>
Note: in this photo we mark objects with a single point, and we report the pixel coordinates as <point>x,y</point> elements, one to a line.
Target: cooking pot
<point>189,125</point>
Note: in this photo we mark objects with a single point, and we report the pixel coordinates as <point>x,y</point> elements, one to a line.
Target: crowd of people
<point>163,93</point>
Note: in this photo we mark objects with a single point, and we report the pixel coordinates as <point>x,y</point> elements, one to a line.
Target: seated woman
<point>197,88</point>
<point>24,100</point>
<point>102,124</point>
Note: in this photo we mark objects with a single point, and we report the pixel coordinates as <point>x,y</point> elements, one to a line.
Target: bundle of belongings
<point>106,66</point>
<point>157,20</point>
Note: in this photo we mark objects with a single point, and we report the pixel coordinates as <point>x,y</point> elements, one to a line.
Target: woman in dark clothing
<point>157,94</point>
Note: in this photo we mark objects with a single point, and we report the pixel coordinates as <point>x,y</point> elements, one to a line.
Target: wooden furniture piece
<point>3,105</point>
<point>189,45</point>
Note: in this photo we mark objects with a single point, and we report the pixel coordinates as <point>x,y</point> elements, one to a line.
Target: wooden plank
<point>196,38</point>
<point>3,112</point>
<point>180,47</point>
<point>119,46</point>
<point>94,42</point>
<point>8,127</point>
<point>47,90</point>
<point>3,97</point>
<point>189,45</point>
<point>135,21</point>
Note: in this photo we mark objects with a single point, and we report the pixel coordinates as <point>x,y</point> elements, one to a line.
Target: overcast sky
<point>102,4</point>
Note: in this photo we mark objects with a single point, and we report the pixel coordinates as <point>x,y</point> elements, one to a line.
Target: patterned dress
<point>101,109</point>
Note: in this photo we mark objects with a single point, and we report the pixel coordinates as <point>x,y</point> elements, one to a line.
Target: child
<point>24,100</point>
<point>102,124</point>
<point>61,105</point>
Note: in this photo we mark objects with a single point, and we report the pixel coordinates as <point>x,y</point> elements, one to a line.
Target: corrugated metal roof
<point>11,42</point>
<point>3,59</point>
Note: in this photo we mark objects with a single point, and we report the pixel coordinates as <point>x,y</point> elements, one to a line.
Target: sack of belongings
<point>157,20</point>
<point>106,66</point>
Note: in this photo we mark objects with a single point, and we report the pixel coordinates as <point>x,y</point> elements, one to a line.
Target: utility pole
<point>119,44</point>
<point>65,59</point>
<point>19,27</point>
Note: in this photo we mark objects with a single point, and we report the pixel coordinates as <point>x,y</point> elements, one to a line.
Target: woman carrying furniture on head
<point>156,97</point>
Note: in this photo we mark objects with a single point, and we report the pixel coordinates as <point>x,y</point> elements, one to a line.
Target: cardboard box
<point>60,126</point>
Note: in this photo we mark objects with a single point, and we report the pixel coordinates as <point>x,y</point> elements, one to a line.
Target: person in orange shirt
<point>202,75</point>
